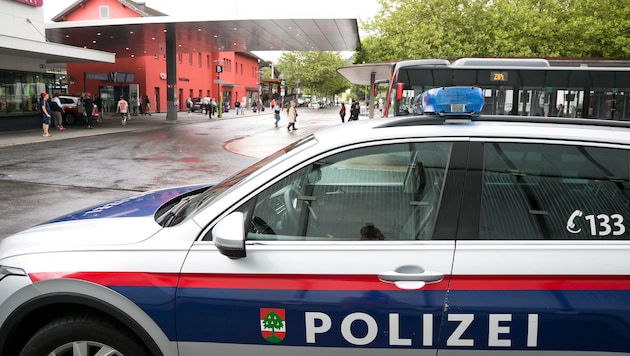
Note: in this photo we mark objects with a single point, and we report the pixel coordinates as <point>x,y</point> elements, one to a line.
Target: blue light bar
<point>453,101</point>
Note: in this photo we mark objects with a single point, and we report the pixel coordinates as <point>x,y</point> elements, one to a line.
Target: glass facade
<point>19,91</point>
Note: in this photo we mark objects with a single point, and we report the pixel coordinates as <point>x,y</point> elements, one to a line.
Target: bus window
<point>517,87</point>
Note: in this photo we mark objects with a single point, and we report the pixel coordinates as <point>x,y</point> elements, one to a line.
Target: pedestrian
<point>292,116</point>
<point>123,109</point>
<point>210,109</point>
<point>80,109</point>
<point>560,108</point>
<point>147,106</point>
<point>189,104</point>
<point>88,106</point>
<point>276,112</point>
<point>237,107</point>
<point>243,104</point>
<point>99,103</point>
<point>342,113</point>
<point>355,110</point>
<point>134,105</point>
<point>57,112</point>
<point>44,107</point>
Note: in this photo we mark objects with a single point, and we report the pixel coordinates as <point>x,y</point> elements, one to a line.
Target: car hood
<point>119,222</point>
<point>141,204</point>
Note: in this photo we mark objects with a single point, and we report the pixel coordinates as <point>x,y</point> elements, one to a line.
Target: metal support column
<point>171,73</point>
<point>372,90</point>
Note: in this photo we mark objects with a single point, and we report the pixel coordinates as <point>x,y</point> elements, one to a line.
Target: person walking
<point>342,113</point>
<point>189,105</point>
<point>210,108</point>
<point>57,112</point>
<point>147,106</point>
<point>44,108</point>
<point>276,112</point>
<point>123,109</point>
<point>292,117</point>
<point>87,109</point>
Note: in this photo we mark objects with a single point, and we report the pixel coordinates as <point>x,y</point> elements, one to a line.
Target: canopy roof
<point>145,36</point>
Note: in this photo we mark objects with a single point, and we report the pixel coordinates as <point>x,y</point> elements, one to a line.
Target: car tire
<point>92,334</point>
<point>69,119</point>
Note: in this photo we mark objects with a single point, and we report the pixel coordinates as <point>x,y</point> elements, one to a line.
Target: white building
<point>30,65</point>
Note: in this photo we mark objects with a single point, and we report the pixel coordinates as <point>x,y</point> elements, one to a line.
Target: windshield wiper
<point>167,218</point>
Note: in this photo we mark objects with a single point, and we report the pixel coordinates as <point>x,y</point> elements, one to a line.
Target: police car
<point>439,234</point>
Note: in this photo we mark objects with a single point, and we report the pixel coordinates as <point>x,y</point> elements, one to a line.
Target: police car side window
<point>386,192</point>
<point>560,192</point>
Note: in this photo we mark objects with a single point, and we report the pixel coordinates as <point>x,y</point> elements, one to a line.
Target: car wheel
<point>70,119</point>
<point>83,334</point>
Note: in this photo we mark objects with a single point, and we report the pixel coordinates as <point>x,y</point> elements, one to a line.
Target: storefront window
<point>19,91</point>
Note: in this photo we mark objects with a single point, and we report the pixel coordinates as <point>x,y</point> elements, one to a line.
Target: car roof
<point>482,127</point>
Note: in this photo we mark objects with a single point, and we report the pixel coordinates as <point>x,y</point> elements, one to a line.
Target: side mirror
<point>229,235</point>
<point>399,91</point>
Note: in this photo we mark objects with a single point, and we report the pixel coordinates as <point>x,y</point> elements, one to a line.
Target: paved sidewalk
<point>110,124</point>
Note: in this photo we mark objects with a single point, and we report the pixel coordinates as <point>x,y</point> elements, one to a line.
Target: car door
<point>339,255</point>
<point>543,265</point>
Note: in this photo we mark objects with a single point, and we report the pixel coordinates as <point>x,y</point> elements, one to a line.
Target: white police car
<point>413,236</point>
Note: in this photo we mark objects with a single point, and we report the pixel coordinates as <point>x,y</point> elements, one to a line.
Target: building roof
<point>51,52</point>
<point>139,8</point>
<point>360,74</point>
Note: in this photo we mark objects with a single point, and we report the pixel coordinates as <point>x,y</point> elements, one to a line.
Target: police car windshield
<point>201,201</point>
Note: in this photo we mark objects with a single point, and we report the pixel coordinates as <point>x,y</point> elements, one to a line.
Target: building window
<point>207,61</point>
<point>190,59</point>
<point>179,58</point>
<point>199,60</point>
<point>103,12</point>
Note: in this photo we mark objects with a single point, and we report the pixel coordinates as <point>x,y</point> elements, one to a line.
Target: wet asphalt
<point>45,177</point>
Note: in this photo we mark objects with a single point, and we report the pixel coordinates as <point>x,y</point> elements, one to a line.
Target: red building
<point>136,75</point>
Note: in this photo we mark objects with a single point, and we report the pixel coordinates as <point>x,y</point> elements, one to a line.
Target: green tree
<point>314,71</point>
<point>406,29</point>
<point>265,73</point>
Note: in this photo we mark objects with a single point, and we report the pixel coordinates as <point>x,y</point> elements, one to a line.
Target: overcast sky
<point>254,9</point>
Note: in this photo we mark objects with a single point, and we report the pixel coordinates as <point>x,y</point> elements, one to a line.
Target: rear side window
<point>556,192</point>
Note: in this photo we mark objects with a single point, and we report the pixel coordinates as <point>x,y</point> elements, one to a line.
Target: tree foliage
<point>412,29</point>
<point>315,71</point>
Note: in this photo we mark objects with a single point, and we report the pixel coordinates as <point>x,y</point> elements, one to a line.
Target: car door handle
<point>410,274</point>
